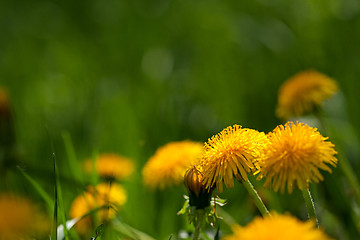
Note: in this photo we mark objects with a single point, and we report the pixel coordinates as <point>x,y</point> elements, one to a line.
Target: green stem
<point>256,198</point>
<point>310,205</point>
<point>198,222</point>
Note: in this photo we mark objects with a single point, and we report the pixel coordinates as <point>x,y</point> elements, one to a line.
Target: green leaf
<point>185,207</point>
<point>55,216</point>
<point>129,231</point>
<point>60,199</point>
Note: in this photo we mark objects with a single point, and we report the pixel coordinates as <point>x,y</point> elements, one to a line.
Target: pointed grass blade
<point>72,159</point>
<point>59,204</point>
<point>129,231</point>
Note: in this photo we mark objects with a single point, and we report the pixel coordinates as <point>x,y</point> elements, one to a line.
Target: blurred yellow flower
<point>303,93</point>
<point>4,104</point>
<point>169,163</point>
<point>20,218</point>
<point>232,152</point>
<point>111,165</point>
<point>7,134</point>
<point>108,197</point>
<point>277,227</point>
<point>295,154</point>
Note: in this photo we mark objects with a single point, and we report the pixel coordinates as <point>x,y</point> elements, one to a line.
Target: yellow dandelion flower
<point>20,218</point>
<point>295,154</point>
<point>232,152</point>
<point>111,197</point>
<point>111,165</point>
<point>277,227</point>
<point>303,93</point>
<point>168,165</point>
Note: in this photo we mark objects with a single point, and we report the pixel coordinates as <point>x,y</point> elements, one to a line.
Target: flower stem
<point>256,198</point>
<point>198,222</point>
<point>310,205</point>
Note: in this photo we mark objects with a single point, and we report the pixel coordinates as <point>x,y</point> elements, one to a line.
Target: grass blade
<point>55,216</point>
<point>72,159</point>
<point>129,231</point>
<point>61,206</point>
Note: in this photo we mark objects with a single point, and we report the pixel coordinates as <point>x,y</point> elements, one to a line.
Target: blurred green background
<point>130,76</point>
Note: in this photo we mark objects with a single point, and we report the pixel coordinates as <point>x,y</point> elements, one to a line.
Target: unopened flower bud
<point>199,196</point>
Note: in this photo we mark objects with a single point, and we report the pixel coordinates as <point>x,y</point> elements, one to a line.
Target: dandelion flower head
<point>169,163</point>
<point>20,218</point>
<point>277,227</point>
<point>109,165</point>
<point>232,152</point>
<point>295,154</point>
<point>110,197</point>
<point>303,93</point>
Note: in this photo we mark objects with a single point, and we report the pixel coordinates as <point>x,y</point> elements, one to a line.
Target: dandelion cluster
<point>290,156</point>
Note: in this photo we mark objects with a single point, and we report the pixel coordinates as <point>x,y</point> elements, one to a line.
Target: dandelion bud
<point>199,196</point>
